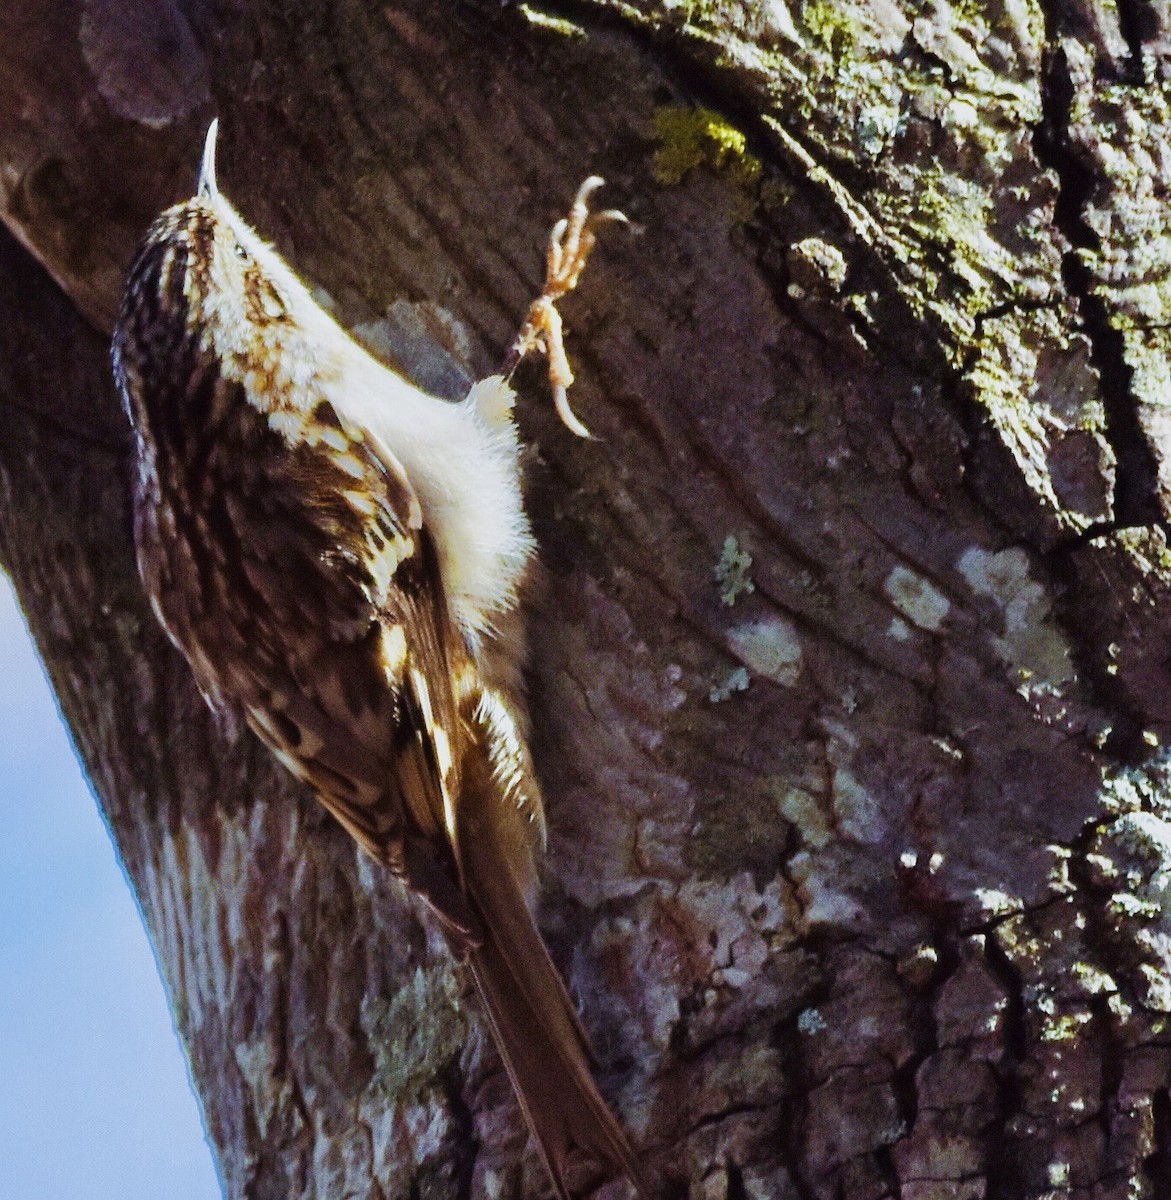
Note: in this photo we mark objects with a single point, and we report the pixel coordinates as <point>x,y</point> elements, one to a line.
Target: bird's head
<point>202,267</point>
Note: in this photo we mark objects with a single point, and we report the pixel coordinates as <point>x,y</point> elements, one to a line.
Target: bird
<point>340,557</point>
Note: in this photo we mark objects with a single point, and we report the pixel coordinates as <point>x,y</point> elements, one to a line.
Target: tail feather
<point>536,1030</point>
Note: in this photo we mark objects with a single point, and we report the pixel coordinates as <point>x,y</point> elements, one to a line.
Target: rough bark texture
<point>851,678</point>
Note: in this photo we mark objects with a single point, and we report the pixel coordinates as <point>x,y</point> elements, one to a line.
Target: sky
<point>94,1097</point>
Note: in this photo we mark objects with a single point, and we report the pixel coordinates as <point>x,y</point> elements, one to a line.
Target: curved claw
<point>587,189</point>
<point>568,417</point>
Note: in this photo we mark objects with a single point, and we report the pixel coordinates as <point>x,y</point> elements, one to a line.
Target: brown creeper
<point>333,551</point>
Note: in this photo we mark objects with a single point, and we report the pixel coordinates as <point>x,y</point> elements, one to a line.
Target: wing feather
<point>330,582</point>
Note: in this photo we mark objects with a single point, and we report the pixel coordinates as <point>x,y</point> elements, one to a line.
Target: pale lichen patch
<point>1065,1027</point>
<point>815,267</point>
<point>1093,979</point>
<point>1031,641</point>
<point>823,902</point>
<point>770,648</point>
<point>918,599</point>
<point>801,809</point>
<point>1145,840</point>
<point>777,21</point>
<point>1131,856</point>
<point>407,1054</point>
<point>898,629</point>
<point>810,1021</point>
<point>855,808</point>
<point>997,903</point>
<point>736,680</point>
<point>1155,985</point>
<point>733,572</point>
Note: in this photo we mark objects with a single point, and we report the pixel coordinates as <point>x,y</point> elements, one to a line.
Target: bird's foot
<point>570,243</point>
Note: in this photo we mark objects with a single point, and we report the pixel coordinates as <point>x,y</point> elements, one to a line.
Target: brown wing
<point>371,725</point>
<point>290,565</point>
<point>371,697</point>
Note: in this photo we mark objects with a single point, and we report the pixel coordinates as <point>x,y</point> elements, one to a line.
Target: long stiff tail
<point>533,1021</point>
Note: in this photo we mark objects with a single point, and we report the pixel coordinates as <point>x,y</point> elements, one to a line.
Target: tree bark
<point>850,678</point>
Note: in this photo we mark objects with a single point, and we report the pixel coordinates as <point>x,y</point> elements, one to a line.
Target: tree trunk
<point>851,675</point>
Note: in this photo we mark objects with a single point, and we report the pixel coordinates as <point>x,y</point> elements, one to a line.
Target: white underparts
<point>460,459</point>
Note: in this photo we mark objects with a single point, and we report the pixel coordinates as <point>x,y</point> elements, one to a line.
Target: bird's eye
<point>241,253</point>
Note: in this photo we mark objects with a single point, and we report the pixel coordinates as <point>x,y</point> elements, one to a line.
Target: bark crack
<point>1002,1170</point>
<point>1125,740</point>
<point>1137,22</point>
<point>467,1141</point>
<point>1158,1164</point>
<point>1135,487</point>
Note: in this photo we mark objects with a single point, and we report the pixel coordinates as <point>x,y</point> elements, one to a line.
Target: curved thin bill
<point>207,183</point>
